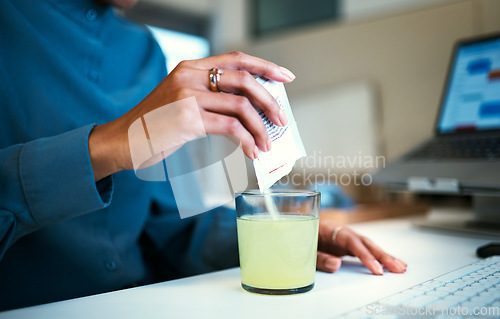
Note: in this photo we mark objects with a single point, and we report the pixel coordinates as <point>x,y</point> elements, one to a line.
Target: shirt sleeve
<point>190,246</point>
<point>45,181</point>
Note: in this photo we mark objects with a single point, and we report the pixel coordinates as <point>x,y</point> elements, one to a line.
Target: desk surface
<point>219,294</point>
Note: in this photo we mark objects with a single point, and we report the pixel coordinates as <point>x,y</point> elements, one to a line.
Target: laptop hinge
<point>442,185</point>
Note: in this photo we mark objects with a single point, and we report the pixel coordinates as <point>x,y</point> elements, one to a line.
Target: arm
<point>52,179</point>
<point>45,181</point>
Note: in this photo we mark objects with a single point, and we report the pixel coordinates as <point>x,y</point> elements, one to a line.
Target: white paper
<point>286,146</point>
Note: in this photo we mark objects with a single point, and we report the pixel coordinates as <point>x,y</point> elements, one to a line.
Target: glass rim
<point>280,192</point>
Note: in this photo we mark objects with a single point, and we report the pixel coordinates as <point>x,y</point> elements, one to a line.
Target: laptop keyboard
<point>470,291</point>
<point>459,148</point>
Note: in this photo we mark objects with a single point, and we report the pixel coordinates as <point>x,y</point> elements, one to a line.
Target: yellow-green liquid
<point>277,253</point>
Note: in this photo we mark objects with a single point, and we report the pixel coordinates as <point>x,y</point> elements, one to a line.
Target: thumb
<point>327,263</point>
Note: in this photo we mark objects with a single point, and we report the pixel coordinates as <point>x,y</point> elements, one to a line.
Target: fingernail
<point>401,263</point>
<point>255,152</point>
<point>268,144</point>
<point>283,118</point>
<point>378,268</point>
<point>332,265</point>
<point>287,73</point>
<point>278,121</point>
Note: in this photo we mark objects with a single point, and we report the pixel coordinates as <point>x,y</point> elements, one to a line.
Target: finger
<point>239,107</point>
<point>242,61</point>
<point>325,241</point>
<point>327,263</point>
<point>227,125</point>
<point>358,249</point>
<point>243,83</point>
<point>393,264</point>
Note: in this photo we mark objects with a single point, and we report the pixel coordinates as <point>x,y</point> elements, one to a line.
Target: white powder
<point>271,205</point>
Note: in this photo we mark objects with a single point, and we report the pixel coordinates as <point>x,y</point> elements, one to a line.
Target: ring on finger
<point>335,232</point>
<point>213,79</point>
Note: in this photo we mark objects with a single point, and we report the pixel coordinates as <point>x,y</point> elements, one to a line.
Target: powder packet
<point>286,146</point>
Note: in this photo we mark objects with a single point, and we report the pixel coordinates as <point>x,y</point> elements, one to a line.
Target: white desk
<point>219,294</point>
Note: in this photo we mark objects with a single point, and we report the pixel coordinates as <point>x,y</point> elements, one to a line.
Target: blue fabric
<point>65,66</point>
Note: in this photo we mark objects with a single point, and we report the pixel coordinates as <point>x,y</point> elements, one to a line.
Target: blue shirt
<point>65,66</point>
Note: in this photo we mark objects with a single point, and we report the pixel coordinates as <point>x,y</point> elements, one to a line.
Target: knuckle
<point>244,78</point>
<point>174,75</point>
<point>183,64</point>
<point>239,56</point>
<point>236,53</point>
<point>269,105</point>
<point>269,67</point>
<point>233,126</point>
<point>241,104</point>
<point>183,93</point>
<point>180,73</point>
<point>185,115</point>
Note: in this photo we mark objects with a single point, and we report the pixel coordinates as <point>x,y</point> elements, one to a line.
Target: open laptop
<point>463,157</point>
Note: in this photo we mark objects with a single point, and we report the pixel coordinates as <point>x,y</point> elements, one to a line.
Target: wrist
<point>108,150</point>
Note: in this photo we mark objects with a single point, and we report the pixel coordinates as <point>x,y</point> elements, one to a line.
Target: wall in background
<point>401,47</point>
<point>404,55</point>
<point>231,17</point>
<point>201,7</point>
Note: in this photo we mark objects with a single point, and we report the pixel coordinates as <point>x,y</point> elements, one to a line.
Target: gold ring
<point>335,232</point>
<point>213,79</point>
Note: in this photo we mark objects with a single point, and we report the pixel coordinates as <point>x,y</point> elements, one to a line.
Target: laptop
<point>463,157</point>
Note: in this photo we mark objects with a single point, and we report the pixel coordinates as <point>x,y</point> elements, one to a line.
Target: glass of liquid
<point>277,240</point>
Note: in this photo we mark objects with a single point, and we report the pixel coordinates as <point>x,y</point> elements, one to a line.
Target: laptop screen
<point>472,99</point>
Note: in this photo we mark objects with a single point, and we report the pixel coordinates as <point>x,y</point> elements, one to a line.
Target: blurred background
<point>369,73</point>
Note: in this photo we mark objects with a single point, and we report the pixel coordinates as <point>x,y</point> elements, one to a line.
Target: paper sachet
<point>287,145</point>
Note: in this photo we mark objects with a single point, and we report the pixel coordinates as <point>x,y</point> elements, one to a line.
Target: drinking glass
<point>278,240</point>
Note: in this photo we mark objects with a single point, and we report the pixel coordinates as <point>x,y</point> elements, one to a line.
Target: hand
<point>347,242</point>
<point>230,112</point>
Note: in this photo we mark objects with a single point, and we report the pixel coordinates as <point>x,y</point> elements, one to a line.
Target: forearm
<point>46,181</point>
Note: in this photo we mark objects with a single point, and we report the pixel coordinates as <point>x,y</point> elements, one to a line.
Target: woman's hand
<point>347,242</point>
<point>230,112</point>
